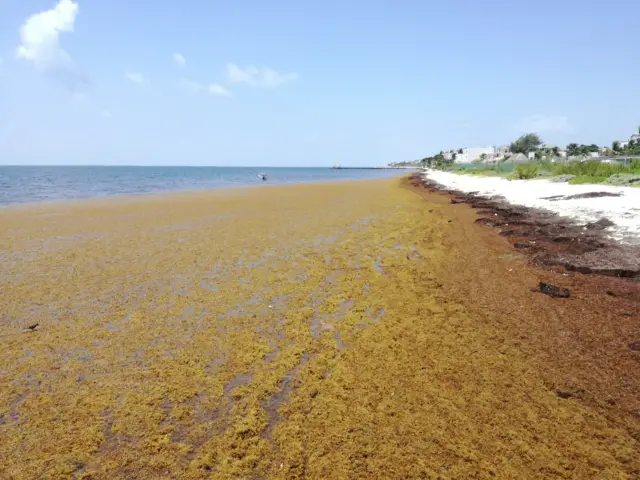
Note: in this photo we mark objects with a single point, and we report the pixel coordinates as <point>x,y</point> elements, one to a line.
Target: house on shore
<point>502,151</point>
<point>470,154</point>
<point>550,149</point>
<point>518,158</point>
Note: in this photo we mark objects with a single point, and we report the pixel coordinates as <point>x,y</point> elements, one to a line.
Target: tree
<point>528,142</point>
<point>584,150</point>
<point>460,151</point>
<point>615,146</point>
<point>556,151</point>
<point>573,149</point>
<point>476,160</point>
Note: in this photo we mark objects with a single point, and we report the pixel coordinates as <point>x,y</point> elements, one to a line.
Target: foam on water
<point>624,210</point>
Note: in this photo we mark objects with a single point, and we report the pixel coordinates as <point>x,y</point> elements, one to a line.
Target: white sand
<point>624,211</point>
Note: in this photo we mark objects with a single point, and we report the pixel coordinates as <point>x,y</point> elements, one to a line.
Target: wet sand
<point>351,330</point>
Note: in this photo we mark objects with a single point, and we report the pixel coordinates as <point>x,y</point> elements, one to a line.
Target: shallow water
<point>20,184</point>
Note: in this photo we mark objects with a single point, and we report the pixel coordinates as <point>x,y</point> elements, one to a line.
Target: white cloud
<point>258,76</point>
<point>40,43</point>
<point>213,88</point>
<point>106,114</point>
<point>179,60</point>
<point>135,77</point>
<point>545,123</point>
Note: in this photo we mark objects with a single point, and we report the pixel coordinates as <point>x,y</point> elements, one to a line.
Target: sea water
<point>20,184</point>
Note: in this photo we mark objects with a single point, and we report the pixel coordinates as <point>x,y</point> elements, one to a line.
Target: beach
<point>621,205</point>
<point>354,329</point>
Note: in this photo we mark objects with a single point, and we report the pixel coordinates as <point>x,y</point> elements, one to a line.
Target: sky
<point>311,83</point>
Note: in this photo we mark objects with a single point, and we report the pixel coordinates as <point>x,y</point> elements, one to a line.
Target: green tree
<point>573,149</point>
<point>528,142</point>
<point>615,146</point>
<point>460,151</point>
<point>556,151</point>
<point>583,150</point>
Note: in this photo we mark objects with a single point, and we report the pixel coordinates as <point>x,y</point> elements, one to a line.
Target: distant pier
<point>376,168</point>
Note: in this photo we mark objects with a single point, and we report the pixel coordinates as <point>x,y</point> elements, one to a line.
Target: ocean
<point>22,184</point>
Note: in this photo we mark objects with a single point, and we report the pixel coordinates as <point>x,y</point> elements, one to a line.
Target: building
<point>548,147</point>
<point>502,151</point>
<point>470,154</point>
<point>518,158</point>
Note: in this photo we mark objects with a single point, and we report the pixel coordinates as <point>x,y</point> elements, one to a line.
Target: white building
<point>470,154</point>
<point>502,151</point>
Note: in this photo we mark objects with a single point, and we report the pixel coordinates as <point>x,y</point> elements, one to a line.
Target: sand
<point>622,207</point>
<point>347,330</point>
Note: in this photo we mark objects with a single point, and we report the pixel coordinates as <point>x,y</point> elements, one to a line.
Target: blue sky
<point>308,83</point>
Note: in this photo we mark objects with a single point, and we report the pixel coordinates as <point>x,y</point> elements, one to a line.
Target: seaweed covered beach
<point>363,329</point>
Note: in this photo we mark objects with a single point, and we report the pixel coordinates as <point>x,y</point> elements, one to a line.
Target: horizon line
<point>172,166</point>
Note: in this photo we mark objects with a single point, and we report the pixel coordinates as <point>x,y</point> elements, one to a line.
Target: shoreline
<point>331,330</point>
<point>238,177</point>
<point>180,193</point>
<point>585,203</point>
<point>547,238</point>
